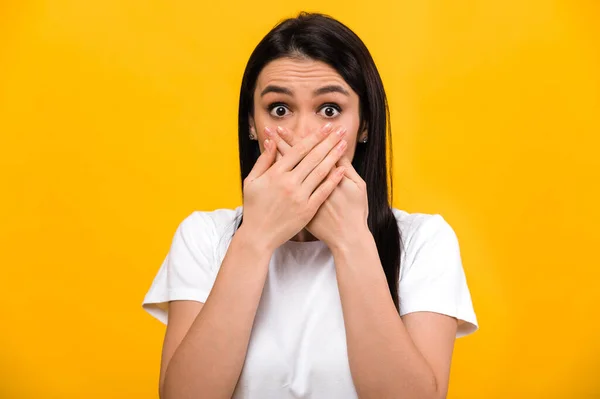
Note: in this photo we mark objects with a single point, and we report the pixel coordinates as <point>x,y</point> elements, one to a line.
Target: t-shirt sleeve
<point>188,271</point>
<point>432,278</point>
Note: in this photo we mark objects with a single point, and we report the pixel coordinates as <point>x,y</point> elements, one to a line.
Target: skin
<point>381,346</point>
<point>302,111</point>
<point>390,356</point>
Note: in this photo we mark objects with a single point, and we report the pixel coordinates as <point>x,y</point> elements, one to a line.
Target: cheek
<point>350,122</point>
<point>260,121</point>
<point>349,154</point>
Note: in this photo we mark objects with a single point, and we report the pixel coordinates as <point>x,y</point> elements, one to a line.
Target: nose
<point>304,126</point>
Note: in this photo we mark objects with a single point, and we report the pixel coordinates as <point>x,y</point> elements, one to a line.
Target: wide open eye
<point>278,110</point>
<point>330,110</point>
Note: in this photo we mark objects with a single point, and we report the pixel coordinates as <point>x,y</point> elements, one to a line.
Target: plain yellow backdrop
<point>118,119</point>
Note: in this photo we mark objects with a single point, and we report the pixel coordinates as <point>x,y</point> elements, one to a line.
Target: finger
<point>326,188</point>
<point>286,135</point>
<point>321,171</point>
<point>351,173</point>
<point>317,155</point>
<point>264,161</point>
<point>282,146</point>
<point>297,153</point>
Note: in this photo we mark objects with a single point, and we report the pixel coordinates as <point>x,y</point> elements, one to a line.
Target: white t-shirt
<point>297,347</point>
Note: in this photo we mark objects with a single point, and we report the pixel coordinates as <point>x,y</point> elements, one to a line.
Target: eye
<point>278,110</point>
<point>330,110</point>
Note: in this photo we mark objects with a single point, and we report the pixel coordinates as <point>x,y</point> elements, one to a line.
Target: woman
<point>322,289</point>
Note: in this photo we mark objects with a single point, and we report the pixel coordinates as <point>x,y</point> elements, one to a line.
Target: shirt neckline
<point>289,244</point>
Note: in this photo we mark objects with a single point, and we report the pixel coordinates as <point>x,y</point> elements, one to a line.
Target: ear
<point>251,124</point>
<point>252,128</point>
<point>364,133</point>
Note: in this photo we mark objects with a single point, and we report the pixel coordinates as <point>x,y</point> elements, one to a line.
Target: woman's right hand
<point>280,198</point>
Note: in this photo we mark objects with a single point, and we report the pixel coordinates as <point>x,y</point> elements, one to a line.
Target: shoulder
<point>418,227</point>
<point>432,277</point>
<point>190,268</point>
<point>214,222</point>
<point>208,229</point>
<point>425,236</point>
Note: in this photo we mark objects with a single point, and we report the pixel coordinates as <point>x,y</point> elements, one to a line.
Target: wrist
<point>254,241</point>
<point>356,238</point>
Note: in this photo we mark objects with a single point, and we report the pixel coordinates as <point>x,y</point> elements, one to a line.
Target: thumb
<point>350,172</point>
<point>264,161</point>
<point>344,161</point>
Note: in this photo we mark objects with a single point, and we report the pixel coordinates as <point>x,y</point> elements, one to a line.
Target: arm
<point>204,355</point>
<point>205,346</point>
<point>390,357</point>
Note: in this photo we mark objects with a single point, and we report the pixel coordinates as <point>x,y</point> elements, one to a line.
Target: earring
<point>252,135</point>
<point>364,139</point>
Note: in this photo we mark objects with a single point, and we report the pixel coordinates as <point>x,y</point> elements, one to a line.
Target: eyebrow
<point>318,92</point>
<point>276,89</point>
<point>331,89</point>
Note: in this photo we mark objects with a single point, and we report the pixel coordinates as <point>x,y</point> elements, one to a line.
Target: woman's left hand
<point>344,213</point>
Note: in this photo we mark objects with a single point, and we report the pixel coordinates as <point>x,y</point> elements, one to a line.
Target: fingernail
<point>280,130</point>
<point>268,131</point>
<point>341,131</point>
<point>327,127</point>
<point>341,145</point>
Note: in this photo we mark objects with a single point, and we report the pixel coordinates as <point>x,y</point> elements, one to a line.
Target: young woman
<point>316,287</point>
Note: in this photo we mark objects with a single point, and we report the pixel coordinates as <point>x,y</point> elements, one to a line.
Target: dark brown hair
<point>322,38</point>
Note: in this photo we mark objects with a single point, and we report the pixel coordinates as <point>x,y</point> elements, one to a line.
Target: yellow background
<point>118,119</point>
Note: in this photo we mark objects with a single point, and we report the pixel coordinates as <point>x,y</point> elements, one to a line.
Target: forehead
<point>299,73</point>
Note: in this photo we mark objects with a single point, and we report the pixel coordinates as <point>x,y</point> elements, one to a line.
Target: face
<point>302,95</point>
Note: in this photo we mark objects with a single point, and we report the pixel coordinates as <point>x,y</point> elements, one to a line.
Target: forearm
<point>209,359</point>
<point>384,361</point>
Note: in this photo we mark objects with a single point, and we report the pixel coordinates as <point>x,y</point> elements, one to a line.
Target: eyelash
<point>272,106</point>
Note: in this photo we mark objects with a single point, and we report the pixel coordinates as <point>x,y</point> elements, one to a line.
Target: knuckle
<point>288,188</point>
<point>327,132</point>
<point>275,168</point>
<point>325,191</point>
<point>335,155</point>
<point>302,149</point>
<point>321,173</point>
<point>283,133</point>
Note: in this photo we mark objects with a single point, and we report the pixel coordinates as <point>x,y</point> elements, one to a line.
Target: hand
<point>280,198</point>
<point>346,209</point>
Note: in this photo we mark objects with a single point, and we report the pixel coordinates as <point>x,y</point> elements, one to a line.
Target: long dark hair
<point>322,38</point>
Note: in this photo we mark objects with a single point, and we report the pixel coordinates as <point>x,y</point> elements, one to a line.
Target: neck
<point>303,236</point>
